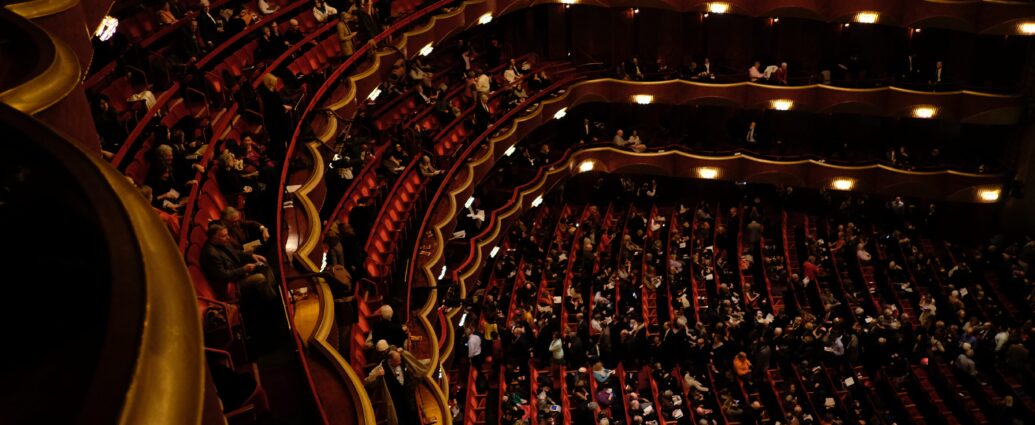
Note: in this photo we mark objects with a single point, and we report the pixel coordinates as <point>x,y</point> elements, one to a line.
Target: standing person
<point>345,34</point>
<point>474,348</point>
<point>401,385</point>
<point>557,352</point>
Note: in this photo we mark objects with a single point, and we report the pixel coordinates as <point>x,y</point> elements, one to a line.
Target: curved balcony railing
<point>138,320</point>
<point>999,17</point>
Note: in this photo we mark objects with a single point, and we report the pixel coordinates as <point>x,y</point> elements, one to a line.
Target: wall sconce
<point>643,99</point>
<point>495,250</point>
<point>107,28</point>
<point>989,195</point>
<point>470,201</point>
<point>560,113</point>
<point>426,50</point>
<point>867,17</point>
<point>510,151</point>
<point>537,201</point>
<point>708,172</point>
<point>718,7</point>
<point>484,19</point>
<point>1027,28</point>
<point>925,112</point>
<point>842,183</point>
<point>569,2</point>
<point>586,166</point>
<point>781,104</point>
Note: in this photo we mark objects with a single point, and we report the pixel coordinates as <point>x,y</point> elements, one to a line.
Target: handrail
<point>214,143</point>
<point>317,97</point>
<point>161,102</point>
<point>272,66</point>
<point>475,143</point>
<point>255,26</point>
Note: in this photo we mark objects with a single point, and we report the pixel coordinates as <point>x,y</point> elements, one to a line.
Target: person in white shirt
<point>322,10</point>
<point>557,350</point>
<point>755,73</point>
<point>619,139</point>
<point>634,142</point>
<point>483,84</point>
<point>267,8</point>
<point>474,347</point>
<point>751,134</point>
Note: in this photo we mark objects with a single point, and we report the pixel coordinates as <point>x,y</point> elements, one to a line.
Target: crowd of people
<point>701,357</point>
<point>765,339</point>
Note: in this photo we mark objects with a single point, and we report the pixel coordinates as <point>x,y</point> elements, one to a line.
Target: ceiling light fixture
<point>1027,28</point>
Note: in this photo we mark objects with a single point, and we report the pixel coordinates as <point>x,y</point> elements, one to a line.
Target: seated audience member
<point>755,72</point>
<point>634,142</point>
<point>633,70</point>
<point>172,221</point>
<point>512,73</point>
<point>705,71</point>
<point>267,7</point>
<point>165,14</point>
<point>110,130</point>
<point>222,264</point>
<point>619,139</point>
<point>270,45</point>
<point>243,232</point>
<point>322,11</point>
<point>426,169</point>
<point>388,329</point>
<point>236,24</point>
<point>293,34</point>
<point>780,76</point>
<point>483,84</point>
<point>232,179</point>
<point>392,165</point>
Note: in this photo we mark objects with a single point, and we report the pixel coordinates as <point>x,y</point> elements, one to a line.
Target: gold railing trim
<point>40,8</point>
<point>44,90</point>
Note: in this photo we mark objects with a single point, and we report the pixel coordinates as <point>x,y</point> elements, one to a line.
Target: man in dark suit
<point>482,114</point>
<point>210,25</point>
<point>585,133</point>
<point>401,384</point>
<point>386,329</point>
<point>222,263</point>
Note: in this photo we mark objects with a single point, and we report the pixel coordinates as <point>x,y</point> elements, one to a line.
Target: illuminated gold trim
<point>351,81</point>
<point>50,86</point>
<point>171,337</point>
<point>40,8</point>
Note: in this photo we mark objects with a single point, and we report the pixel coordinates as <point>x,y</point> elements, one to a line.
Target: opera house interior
<point>518,212</point>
